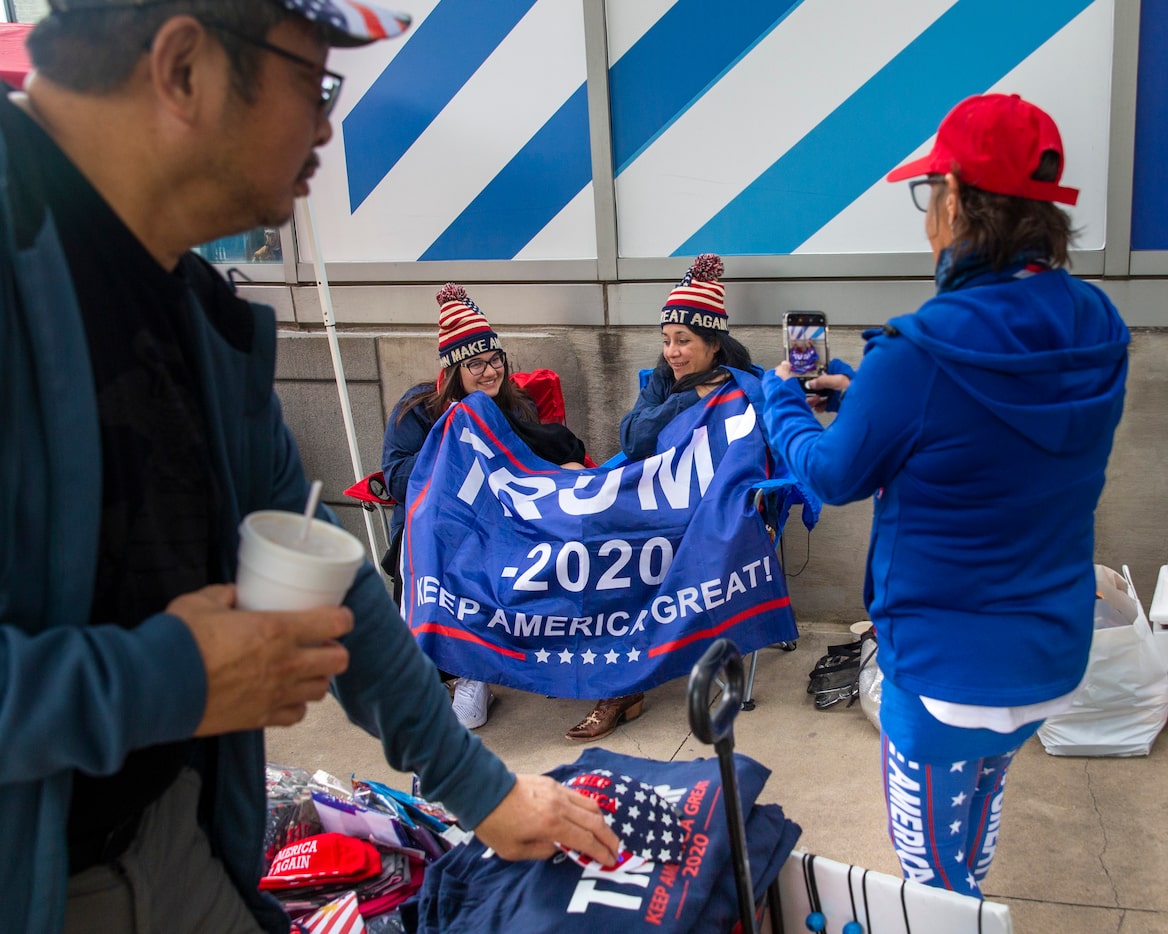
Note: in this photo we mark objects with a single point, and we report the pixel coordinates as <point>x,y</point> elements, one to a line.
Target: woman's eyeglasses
<point>478,366</point>
<point>922,190</point>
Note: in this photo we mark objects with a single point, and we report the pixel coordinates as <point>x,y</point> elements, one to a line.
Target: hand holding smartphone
<point>805,345</point>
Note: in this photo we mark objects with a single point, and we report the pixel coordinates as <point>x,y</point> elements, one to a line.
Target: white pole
<point>330,326</point>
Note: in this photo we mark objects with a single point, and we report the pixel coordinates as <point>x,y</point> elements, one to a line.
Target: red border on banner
<point>720,628</point>
<point>467,637</point>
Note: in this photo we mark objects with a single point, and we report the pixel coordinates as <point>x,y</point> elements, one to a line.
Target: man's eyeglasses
<point>330,81</point>
<point>922,190</point>
<point>478,366</point>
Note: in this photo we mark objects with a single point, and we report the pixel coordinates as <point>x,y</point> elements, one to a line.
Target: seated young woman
<point>472,360</point>
<point>696,349</point>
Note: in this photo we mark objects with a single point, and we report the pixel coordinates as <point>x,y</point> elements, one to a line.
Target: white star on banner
<point>635,811</point>
<point>589,657</point>
<point>565,657</point>
<point>611,656</point>
<point>955,827</point>
<point>634,655</point>
<point>542,655</point>
<point>667,836</point>
<point>959,799</point>
<point>957,767</point>
<point>665,856</point>
<point>627,829</point>
<point>639,795</point>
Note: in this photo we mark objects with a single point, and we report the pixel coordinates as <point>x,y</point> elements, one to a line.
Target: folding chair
<point>371,493</point>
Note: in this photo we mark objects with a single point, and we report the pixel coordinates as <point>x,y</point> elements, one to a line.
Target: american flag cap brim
<point>346,22</point>
<point>349,23</point>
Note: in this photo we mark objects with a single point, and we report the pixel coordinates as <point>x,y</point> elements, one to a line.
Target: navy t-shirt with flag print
<point>472,890</point>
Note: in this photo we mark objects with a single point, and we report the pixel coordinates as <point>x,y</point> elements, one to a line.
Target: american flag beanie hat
<point>699,299</point>
<point>346,22</point>
<point>463,330</point>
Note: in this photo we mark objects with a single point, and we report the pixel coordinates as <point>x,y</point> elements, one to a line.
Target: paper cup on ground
<point>278,571</point>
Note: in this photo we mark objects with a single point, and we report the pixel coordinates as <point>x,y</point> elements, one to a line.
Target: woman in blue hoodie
<point>982,425</point>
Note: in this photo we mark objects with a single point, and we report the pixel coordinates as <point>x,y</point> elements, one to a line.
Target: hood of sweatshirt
<point>1042,351</point>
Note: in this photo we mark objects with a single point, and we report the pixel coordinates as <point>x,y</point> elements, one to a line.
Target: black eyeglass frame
<point>330,81</point>
<point>917,184</point>
<point>496,361</point>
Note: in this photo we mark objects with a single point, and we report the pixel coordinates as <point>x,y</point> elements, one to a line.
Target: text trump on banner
<point>591,583</point>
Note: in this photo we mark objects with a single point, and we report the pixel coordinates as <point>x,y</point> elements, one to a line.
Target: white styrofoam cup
<point>279,571</point>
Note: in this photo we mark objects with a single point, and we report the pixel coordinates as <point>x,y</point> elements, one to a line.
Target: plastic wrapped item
<point>870,682</point>
<point>291,814</point>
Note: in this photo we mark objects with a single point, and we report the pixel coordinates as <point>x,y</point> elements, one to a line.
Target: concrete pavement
<point>1084,842</point>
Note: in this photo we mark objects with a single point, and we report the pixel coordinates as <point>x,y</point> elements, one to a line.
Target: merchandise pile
<point>344,860</point>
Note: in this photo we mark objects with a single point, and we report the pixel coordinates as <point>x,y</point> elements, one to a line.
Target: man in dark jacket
<point>137,427</point>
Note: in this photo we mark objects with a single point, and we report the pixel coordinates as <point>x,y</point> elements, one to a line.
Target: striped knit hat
<point>699,299</point>
<point>463,330</point>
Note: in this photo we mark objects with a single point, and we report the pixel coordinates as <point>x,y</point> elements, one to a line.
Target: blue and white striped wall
<point>751,128</point>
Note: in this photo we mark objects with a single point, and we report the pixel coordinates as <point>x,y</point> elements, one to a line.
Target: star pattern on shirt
<point>960,857</point>
<point>636,811</point>
<point>589,657</point>
<point>566,656</point>
<point>957,767</point>
<point>985,772</point>
<point>955,827</point>
<point>959,799</point>
<point>970,880</point>
<point>542,655</point>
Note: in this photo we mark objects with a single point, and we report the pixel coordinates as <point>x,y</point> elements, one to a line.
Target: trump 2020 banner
<point>590,583</point>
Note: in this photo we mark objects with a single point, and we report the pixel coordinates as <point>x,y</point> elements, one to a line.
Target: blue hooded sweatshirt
<point>982,425</point>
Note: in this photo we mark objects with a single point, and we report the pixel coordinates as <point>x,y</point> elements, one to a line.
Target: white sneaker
<point>471,700</point>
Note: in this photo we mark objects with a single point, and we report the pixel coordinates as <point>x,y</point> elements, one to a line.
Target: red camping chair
<point>543,385</point>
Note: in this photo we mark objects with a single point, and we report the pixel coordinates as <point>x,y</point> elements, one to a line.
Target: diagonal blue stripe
<point>530,190</point>
<point>555,165</point>
<point>676,61</point>
<point>448,47</point>
<point>965,51</point>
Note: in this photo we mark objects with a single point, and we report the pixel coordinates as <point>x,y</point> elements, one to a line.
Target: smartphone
<point>805,345</point>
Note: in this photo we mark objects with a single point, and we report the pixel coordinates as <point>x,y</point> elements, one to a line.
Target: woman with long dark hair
<point>472,360</point>
<point>696,349</point>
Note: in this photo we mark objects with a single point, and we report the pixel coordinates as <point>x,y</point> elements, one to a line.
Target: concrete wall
<point>598,367</point>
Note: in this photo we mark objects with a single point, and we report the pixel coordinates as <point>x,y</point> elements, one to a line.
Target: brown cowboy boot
<point>606,716</point>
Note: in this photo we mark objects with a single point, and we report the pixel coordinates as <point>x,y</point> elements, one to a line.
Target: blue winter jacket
<point>75,696</point>
<point>982,425</point>
<point>400,447</point>
<point>657,405</point>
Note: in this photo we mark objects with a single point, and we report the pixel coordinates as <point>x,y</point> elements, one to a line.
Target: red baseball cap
<point>995,142</point>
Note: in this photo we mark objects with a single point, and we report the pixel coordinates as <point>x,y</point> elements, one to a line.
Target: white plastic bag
<point>1122,703</point>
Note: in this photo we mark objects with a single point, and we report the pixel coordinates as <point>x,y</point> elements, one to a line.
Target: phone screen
<point>805,340</point>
